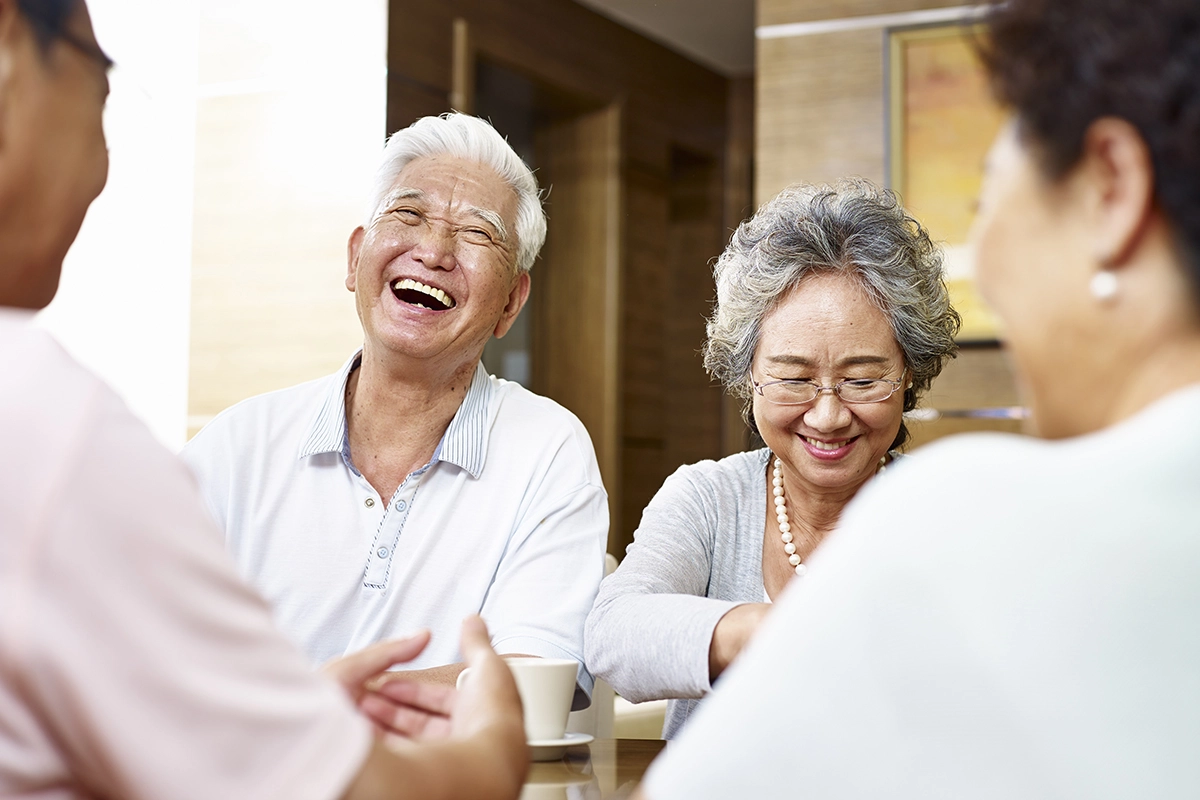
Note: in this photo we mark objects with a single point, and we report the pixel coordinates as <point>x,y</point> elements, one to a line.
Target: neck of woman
<point>816,509</point>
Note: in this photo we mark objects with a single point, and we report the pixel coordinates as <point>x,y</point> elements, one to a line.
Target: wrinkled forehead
<point>828,317</point>
<point>456,183</point>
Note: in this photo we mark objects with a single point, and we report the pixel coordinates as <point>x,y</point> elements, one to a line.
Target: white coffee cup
<point>546,686</point>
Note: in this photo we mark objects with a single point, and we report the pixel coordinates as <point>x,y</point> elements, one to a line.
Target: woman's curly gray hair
<point>854,228</point>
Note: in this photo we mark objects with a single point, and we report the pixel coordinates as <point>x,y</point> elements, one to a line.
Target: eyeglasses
<point>792,392</point>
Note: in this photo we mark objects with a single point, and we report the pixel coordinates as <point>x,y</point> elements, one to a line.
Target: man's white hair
<point>473,139</point>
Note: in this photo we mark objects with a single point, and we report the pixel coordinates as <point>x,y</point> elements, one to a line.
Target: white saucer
<point>553,749</point>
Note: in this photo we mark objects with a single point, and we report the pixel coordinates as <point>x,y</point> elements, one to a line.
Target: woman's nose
<point>827,412</point>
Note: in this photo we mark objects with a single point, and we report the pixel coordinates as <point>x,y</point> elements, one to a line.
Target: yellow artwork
<point>942,122</point>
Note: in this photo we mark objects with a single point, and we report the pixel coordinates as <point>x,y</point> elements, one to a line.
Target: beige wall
<point>289,126</point>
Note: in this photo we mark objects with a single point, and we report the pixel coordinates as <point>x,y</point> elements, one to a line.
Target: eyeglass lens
<point>865,391</point>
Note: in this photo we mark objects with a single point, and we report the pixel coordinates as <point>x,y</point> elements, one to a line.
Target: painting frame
<point>940,119</point>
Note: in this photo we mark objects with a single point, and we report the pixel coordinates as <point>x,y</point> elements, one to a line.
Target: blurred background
<point>244,134</point>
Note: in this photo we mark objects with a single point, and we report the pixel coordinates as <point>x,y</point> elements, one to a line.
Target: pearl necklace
<point>781,514</point>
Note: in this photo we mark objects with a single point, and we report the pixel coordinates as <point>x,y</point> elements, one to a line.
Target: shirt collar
<point>327,431</point>
<point>464,443</point>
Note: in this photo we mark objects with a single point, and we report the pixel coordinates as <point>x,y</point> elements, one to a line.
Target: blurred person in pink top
<point>133,662</point>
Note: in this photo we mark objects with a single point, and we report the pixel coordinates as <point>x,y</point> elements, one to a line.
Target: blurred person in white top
<point>1012,616</point>
<point>133,661</point>
<point>411,488</point>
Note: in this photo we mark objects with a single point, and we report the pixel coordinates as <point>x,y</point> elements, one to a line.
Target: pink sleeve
<point>154,668</point>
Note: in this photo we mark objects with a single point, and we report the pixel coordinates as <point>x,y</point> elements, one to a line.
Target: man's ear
<point>516,301</point>
<point>353,247</point>
<point>1117,174</point>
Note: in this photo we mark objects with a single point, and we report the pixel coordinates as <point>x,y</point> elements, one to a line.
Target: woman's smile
<point>829,449</point>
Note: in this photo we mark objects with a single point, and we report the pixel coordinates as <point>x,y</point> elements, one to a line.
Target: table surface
<point>603,770</point>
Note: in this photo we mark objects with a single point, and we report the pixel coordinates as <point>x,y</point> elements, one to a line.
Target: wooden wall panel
<point>644,435</point>
<point>645,358</point>
<point>820,110</point>
<point>581,52</point>
<point>420,44</point>
<point>692,402</point>
<point>642,312</point>
<point>576,362</point>
<point>739,205</point>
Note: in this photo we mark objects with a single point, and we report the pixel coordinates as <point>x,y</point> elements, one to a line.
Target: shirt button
<point>382,552</point>
<point>401,505</point>
<point>370,502</point>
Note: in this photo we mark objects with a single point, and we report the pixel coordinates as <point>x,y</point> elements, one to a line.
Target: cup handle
<point>462,676</point>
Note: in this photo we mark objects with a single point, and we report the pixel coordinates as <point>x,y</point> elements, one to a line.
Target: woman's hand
<point>416,709</point>
<point>488,700</point>
<point>444,742</point>
<point>359,672</point>
<point>731,634</point>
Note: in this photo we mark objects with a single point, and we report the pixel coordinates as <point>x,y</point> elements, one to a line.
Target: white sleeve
<point>876,675</point>
<point>650,632</point>
<point>546,582</point>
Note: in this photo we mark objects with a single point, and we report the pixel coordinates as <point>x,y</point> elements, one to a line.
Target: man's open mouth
<point>421,295</point>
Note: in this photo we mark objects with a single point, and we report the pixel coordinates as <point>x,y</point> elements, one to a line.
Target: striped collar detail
<point>327,431</point>
<point>464,443</point>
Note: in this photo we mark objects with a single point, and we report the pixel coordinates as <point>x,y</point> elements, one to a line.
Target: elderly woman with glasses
<point>831,318</point>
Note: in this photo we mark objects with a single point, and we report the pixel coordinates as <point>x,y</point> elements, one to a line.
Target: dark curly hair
<point>48,17</point>
<point>1061,64</point>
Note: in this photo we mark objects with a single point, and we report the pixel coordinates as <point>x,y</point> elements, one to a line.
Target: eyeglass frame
<point>835,388</point>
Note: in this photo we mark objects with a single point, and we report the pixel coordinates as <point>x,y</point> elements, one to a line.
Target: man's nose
<point>436,245</point>
<point>827,412</point>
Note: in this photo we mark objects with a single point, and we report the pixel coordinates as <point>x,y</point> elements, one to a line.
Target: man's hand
<point>412,709</point>
<point>356,670</point>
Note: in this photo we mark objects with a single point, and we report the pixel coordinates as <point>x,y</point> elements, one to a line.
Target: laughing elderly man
<point>410,488</point>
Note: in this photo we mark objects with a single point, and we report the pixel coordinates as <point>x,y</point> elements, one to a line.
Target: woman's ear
<point>1117,177</point>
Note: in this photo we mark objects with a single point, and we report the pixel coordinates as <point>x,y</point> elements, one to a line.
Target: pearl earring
<point>1104,285</point>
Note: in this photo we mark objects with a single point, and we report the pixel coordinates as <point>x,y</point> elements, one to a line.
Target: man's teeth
<point>824,445</point>
<point>437,294</point>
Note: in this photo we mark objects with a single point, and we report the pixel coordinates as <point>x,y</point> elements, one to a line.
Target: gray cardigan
<point>696,554</point>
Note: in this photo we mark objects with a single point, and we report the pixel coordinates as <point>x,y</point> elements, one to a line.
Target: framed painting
<point>941,122</point>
